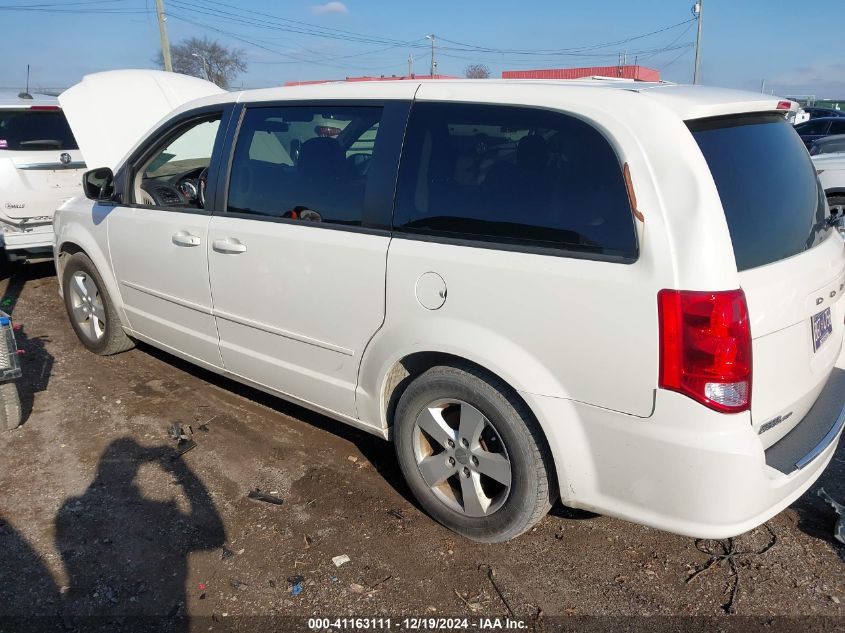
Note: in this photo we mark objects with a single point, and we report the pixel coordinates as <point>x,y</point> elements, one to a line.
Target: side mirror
<point>98,184</point>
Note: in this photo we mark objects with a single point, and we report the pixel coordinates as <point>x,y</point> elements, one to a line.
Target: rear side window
<point>514,175</point>
<point>773,203</point>
<point>29,130</point>
<point>304,162</point>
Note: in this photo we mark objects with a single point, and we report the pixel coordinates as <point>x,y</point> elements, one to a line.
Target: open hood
<point>110,112</point>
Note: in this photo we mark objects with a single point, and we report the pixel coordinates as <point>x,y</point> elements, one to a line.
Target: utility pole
<point>433,62</point>
<point>162,31</point>
<point>410,64</point>
<point>763,86</point>
<point>697,9</point>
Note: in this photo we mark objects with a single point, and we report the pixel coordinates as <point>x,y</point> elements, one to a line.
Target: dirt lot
<point>99,516</point>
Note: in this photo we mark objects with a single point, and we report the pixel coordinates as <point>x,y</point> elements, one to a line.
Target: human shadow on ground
<point>27,589</point>
<point>126,555</point>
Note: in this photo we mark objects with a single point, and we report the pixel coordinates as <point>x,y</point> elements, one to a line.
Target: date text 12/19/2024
<point>415,624</point>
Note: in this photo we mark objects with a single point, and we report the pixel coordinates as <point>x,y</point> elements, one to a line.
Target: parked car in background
<point>40,168</point>
<point>831,171</point>
<point>815,129</point>
<point>828,145</point>
<point>818,113</point>
<point>461,267</point>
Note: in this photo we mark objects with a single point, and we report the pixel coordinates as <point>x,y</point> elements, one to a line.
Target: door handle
<point>229,246</point>
<point>185,239</point>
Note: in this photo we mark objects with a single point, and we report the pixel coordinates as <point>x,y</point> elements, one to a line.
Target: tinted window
<point>768,186</point>
<point>304,162</point>
<point>511,174</point>
<point>35,130</point>
<point>837,127</point>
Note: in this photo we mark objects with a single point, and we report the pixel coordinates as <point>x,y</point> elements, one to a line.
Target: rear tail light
<point>40,107</point>
<point>705,347</point>
<point>784,105</point>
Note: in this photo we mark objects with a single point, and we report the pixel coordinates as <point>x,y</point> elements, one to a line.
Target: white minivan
<point>40,168</point>
<point>625,296</point>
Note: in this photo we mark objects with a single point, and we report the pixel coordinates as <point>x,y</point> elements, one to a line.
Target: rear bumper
<point>814,434</point>
<point>38,238</point>
<point>686,469</point>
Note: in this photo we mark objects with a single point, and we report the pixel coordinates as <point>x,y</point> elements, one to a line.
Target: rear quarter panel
<point>555,326</point>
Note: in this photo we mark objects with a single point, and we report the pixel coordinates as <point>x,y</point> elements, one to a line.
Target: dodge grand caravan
<point>626,296</point>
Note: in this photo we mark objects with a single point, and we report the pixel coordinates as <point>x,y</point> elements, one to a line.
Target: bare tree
<point>207,59</point>
<point>477,71</point>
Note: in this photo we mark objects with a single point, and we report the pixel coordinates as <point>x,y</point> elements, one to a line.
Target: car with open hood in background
<point>626,296</point>
<point>40,167</point>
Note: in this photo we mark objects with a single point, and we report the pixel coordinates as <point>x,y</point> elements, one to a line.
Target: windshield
<point>35,130</point>
<point>773,203</point>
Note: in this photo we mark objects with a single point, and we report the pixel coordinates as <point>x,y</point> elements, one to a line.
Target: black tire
<point>112,339</point>
<point>10,406</point>
<point>532,489</point>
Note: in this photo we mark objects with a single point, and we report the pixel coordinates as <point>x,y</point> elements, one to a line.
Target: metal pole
<point>162,31</point>
<point>433,63</point>
<point>763,86</point>
<point>695,76</point>
<point>410,64</point>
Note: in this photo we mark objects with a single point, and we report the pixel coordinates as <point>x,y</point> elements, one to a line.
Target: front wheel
<point>472,454</point>
<point>90,309</point>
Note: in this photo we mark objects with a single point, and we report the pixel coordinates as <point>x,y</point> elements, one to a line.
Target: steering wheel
<point>203,183</point>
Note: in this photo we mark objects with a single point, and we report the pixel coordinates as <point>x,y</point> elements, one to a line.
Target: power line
<point>24,7</point>
<point>576,49</point>
<point>292,58</point>
<point>280,24</point>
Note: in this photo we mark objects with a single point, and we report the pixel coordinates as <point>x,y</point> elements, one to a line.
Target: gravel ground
<point>99,515</point>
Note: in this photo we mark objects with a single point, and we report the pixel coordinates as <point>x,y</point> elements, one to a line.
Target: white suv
<point>625,296</point>
<point>40,168</point>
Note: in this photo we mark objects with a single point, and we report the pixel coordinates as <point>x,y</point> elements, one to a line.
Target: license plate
<point>822,328</point>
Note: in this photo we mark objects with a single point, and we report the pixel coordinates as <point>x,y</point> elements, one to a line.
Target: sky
<point>796,47</point>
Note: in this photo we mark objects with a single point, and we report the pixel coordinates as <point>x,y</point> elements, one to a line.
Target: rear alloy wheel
<point>90,309</point>
<point>472,454</point>
<point>461,457</point>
